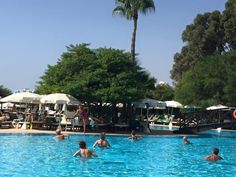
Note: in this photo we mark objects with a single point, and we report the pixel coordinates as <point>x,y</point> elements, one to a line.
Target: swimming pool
<point>27,155</point>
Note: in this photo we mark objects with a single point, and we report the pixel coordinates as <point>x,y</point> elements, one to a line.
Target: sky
<point>34,34</point>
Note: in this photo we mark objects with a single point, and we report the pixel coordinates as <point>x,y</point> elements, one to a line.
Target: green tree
<point>70,74</point>
<point>202,38</point>
<point>162,92</point>
<point>130,9</point>
<point>103,75</point>
<point>96,75</point>
<point>4,91</point>
<point>229,23</point>
<point>211,82</point>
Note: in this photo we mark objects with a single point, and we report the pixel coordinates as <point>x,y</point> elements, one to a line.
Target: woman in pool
<point>133,135</point>
<point>102,142</point>
<point>185,140</point>
<point>84,151</point>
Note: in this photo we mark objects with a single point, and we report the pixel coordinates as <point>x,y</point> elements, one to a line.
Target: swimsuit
<point>102,143</point>
<point>84,115</point>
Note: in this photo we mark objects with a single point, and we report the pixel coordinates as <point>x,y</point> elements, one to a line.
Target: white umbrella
<point>59,98</point>
<point>22,97</point>
<point>173,104</point>
<point>217,107</point>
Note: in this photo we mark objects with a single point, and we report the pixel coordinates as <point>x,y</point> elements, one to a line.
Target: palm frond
<point>120,10</point>
<point>146,6</point>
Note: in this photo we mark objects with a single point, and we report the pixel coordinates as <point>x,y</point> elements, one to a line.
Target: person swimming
<point>214,156</point>
<point>84,151</point>
<point>102,142</point>
<point>133,135</point>
<point>186,141</point>
<point>59,135</point>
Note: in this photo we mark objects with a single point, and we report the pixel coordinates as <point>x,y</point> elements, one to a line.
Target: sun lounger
<point>37,124</point>
<point>76,123</point>
<point>23,125</point>
<point>10,117</point>
<point>7,124</point>
<point>50,123</point>
<point>121,127</point>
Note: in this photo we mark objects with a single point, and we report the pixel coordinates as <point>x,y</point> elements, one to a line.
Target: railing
<point>206,118</point>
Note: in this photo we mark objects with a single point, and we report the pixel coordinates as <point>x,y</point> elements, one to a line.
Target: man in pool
<point>84,151</point>
<point>59,135</point>
<point>102,142</point>
<point>214,156</point>
<point>185,139</point>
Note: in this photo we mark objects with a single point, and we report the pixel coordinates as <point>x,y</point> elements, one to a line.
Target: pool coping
<point>34,131</point>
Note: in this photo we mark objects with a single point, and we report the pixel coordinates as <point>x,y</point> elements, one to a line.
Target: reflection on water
<point>37,155</point>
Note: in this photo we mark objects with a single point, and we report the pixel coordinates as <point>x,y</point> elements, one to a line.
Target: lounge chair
<point>76,123</point>
<point>121,126</point>
<point>10,117</point>
<point>50,123</point>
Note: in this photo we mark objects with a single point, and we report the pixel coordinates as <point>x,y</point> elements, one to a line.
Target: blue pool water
<point>28,155</point>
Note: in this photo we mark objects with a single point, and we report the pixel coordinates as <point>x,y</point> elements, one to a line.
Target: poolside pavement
<point>34,131</point>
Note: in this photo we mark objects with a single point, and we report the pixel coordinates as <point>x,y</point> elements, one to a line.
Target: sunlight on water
<point>41,155</point>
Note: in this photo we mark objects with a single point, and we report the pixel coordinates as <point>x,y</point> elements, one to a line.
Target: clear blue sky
<point>34,33</point>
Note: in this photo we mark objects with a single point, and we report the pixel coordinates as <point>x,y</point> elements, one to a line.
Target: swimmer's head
<point>102,136</point>
<point>185,138</point>
<point>82,144</point>
<point>215,151</point>
<point>133,132</point>
<point>58,131</point>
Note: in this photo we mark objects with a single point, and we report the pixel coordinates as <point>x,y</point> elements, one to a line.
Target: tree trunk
<point>114,113</point>
<point>135,19</point>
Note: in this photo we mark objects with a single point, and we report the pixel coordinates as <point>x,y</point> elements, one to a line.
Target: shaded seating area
<point>6,124</point>
<point>8,119</point>
<point>49,123</point>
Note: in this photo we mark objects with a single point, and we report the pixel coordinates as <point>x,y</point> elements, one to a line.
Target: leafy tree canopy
<point>130,9</point>
<point>211,82</point>
<point>202,38</point>
<point>4,91</point>
<point>162,92</point>
<point>229,23</point>
<point>211,33</point>
<point>96,75</point>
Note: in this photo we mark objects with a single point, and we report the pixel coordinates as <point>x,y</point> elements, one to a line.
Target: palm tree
<point>130,9</point>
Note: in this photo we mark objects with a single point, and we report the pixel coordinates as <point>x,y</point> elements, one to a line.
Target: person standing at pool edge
<point>84,151</point>
<point>83,114</point>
